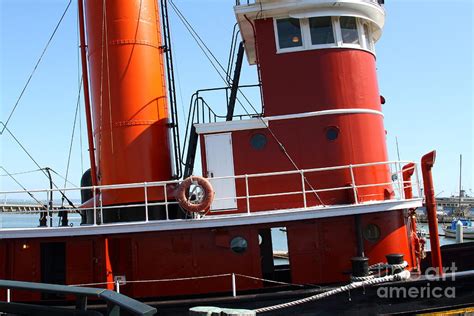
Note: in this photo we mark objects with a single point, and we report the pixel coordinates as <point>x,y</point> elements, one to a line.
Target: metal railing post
<point>117,286</point>
<point>146,201</point>
<point>101,206</point>
<point>234,286</point>
<point>94,196</point>
<point>247,192</point>
<point>166,202</point>
<point>9,297</point>
<point>418,184</point>
<point>303,186</point>
<point>353,184</point>
<point>400,180</point>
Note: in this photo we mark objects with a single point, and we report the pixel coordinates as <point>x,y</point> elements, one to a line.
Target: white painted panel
<point>220,163</point>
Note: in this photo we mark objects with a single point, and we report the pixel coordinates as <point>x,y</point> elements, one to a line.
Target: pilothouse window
<point>289,33</point>
<point>349,31</point>
<point>321,30</point>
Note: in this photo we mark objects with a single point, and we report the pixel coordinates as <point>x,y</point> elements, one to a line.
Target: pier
<point>28,208</point>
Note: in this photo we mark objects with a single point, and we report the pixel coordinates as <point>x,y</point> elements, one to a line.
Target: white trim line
<point>265,217</point>
<point>322,113</point>
<point>220,127</point>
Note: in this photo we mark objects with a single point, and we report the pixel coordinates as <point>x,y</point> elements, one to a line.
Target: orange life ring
<point>201,196</point>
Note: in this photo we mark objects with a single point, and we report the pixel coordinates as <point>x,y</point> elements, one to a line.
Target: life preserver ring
<point>199,199</point>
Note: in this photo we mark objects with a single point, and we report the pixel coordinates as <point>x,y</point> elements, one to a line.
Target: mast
<point>85,82</point>
<point>460,184</point>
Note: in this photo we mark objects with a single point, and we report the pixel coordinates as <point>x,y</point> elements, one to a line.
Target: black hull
<point>368,301</point>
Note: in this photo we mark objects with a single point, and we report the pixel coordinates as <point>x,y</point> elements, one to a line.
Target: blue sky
<point>424,64</point>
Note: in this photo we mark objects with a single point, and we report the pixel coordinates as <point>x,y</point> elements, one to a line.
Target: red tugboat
<point>313,162</point>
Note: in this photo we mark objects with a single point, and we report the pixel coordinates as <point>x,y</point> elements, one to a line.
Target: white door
<point>220,163</point>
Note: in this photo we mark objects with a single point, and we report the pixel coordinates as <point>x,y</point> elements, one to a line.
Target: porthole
<point>258,141</point>
<point>238,244</point>
<point>332,133</point>
<point>371,233</point>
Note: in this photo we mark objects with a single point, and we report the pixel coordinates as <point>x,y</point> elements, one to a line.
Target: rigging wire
<point>63,178</point>
<point>36,163</point>
<point>72,135</point>
<point>79,82</point>
<point>34,68</point>
<point>204,47</point>
<point>23,188</point>
<point>19,173</point>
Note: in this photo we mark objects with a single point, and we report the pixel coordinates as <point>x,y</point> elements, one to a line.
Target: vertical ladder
<point>176,150</point>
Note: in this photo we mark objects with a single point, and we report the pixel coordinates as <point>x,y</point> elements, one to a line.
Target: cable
<point>196,35</point>
<point>24,189</point>
<point>35,67</point>
<point>73,132</point>
<point>62,177</point>
<point>201,44</point>
<point>19,173</point>
<point>36,163</point>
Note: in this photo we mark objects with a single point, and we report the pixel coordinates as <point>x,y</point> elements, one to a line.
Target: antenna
<point>460,181</point>
<point>398,150</point>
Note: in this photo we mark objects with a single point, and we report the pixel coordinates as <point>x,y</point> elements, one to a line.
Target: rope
<point>404,275</point>
<point>363,278</point>
<point>270,281</point>
<point>35,67</point>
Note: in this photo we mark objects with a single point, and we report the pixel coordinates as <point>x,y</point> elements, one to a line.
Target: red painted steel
<point>427,163</point>
<point>129,101</point>
<point>308,81</point>
<point>407,172</point>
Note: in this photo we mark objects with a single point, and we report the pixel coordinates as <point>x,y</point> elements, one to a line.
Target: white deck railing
<point>305,188</point>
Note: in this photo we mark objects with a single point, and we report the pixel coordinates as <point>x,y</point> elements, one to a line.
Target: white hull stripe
<point>213,221</point>
<point>263,122</point>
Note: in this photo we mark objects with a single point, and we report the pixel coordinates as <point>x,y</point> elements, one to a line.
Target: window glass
<point>238,244</point>
<point>321,30</point>
<point>332,133</point>
<point>289,33</point>
<point>258,141</point>
<point>349,30</point>
<point>367,37</point>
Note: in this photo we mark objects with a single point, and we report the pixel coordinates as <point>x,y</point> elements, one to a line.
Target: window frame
<point>277,40</point>
<point>307,43</point>
<point>320,46</point>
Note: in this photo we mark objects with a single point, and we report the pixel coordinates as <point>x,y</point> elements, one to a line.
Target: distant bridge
<point>28,208</point>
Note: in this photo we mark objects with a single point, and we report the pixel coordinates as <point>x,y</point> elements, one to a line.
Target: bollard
<point>459,232</point>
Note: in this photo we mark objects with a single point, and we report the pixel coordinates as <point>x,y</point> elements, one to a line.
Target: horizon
<point>421,78</point>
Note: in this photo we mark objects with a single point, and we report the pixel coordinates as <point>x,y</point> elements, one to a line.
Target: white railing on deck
<point>250,2</point>
<point>305,189</point>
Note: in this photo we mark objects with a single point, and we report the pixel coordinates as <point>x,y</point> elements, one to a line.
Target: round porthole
<point>258,141</point>
<point>371,232</point>
<point>332,133</point>
<point>238,244</point>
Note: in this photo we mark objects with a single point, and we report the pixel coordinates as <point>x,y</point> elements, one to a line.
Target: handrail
<point>251,2</point>
<point>397,182</point>
<point>112,298</point>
